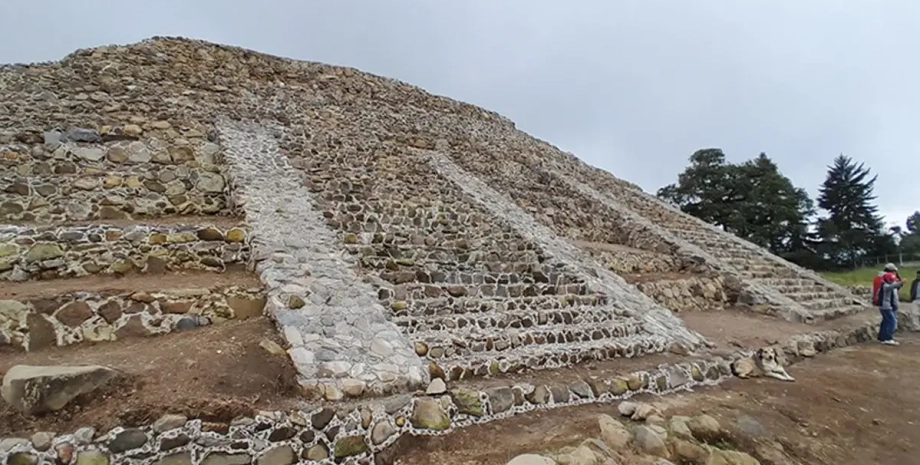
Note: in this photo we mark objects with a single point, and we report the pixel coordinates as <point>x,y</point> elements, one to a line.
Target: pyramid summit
<point>390,236</point>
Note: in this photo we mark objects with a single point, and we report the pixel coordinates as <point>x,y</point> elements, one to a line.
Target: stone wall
<point>861,291</point>
<point>680,295</point>
<point>71,251</point>
<point>356,434</point>
<point>37,323</point>
<point>625,261</point>
<point>76,175</point>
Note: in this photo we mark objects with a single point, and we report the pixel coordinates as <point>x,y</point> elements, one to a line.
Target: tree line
<point>755,201</point>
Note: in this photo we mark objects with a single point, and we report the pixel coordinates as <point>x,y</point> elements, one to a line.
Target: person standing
<point>888,304</point>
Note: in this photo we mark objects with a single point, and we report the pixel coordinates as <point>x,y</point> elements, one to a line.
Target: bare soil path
<point>855,405</point>
<point>216,373</point>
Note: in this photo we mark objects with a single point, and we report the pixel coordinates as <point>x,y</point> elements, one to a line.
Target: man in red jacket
<point>888,304</point>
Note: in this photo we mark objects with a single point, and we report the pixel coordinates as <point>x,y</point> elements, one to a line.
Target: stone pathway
<point>341,342</point>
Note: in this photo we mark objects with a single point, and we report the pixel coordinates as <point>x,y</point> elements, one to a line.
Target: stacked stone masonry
<point>37,323</point>
<point>815,298</point>
<point>355,435</point>
<point>341,341</point>
<point>350,147</point>
<point>400,236</point>
<point>28,253</point>
<point>691,294</point>
<point>76,175</point>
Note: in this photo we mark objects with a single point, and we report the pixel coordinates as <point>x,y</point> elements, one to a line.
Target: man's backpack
<point>877,290</point>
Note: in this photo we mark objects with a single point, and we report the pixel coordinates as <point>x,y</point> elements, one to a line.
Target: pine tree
<point>752,200</point>
<point>852,227</point>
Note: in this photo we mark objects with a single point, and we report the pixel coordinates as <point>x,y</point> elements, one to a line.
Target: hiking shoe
<point>891,342</point>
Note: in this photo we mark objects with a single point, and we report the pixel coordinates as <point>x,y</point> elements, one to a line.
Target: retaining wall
<point>34,324</point>
<point>76,176</point>
<point>682,295</point>
<point>57,252</point>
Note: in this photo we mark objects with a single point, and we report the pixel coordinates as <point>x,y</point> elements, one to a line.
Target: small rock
<point>129,439</point>
<point>531,459</point>
<point>678,427</point>
<point>582,455</point>
<point>8,444</point>
<point>41,441</point>
<point>382,431</point>
<point>704,427</point>
<point>168,422</point>
<point>37,389</point>
<point>730,457</point>
<point>656,419</point>
<point>627,409</point>
<point>649,441</point>
<point>436,387</point>
<point>429,415</point>
<point>688,452</point>
<point>271,347</point>
<point>84,435</point>
<point>353,387</point>
<point>92,457</point>
<point>316,453</point>
<point>295,302</point>
<point>468,402</point>
<point>281,455</point>
<point>64,452</point>
<point>349,446</point>
<point>642,412</point>
<point>22,458</point>
<point>613,432</point>
<point>599,448</point>
<point>82,135</point>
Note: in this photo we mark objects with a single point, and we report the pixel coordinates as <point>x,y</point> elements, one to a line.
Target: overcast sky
<point>631,86</point>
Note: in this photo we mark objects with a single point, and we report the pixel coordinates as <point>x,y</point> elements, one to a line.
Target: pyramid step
<point>548,356</point>
<point>451,344</point>
<point>825,304</point>
<point>60,198</point>
<point>510,320</point>
<point>36,253</point>
<point>70,311</point>
<point>443,306</point>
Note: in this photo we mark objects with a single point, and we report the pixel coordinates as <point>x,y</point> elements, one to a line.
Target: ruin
<point>393,237</point>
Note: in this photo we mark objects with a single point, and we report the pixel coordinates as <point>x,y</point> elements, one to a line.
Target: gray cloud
<point>633,87</point>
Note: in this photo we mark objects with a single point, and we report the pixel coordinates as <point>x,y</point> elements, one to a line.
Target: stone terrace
<point>111,226</point>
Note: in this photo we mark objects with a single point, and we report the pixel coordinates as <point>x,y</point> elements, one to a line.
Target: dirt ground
<point>215,373</point>
<point>859,405</point>
<point>136,282</point>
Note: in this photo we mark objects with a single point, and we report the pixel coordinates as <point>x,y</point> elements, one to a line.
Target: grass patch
<point>864,277</point>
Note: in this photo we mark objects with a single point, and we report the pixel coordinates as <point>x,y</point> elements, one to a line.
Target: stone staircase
<point>815,297</point>
<point>470,292</point>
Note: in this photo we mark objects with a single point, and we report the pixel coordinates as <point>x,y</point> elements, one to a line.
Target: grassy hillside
<point>864,277</point>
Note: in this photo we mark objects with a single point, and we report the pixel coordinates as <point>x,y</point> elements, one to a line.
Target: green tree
<point>852,227</point>
<point>704,188</point>
<point>910,238</point>
<point>913,223</point>
<point>752,200</point>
